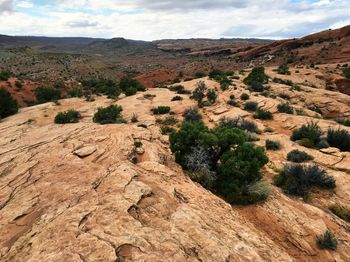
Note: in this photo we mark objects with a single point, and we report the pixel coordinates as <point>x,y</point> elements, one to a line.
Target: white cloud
<point>157,19</point>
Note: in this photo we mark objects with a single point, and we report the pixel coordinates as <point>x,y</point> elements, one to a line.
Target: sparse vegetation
<point>47,94</point>
<point>340,212</point>
<point>297,179</point>
<point>298,156</point>
<point>8,105</point>
<point>192,115</point>
<point>67,117</point>
<point>346,72</point>
<point>211,94</point>
<point>101,87</point>
<point>177,98</point>
<point>272,145</point>
<point>251,106</point>
<point>311,131</point>
<point>263,114</point>
<point>109,115</point>
<point>339,138</point>
<point>137,144</point>
<point>18,84</point>
<point>283,70</point>
<point>5,75</point>
<point>256,75</point>
<point>327,241</point>
<point>134,119</point>
<point>239,123</point>
<point>244,96</point>
<point>285,108</point>
<point>199,93</point>
<point>284,96</point>
<point>161,110</point>
<point>344,121</point>
<point>221,159</point>
<point>130,86</point>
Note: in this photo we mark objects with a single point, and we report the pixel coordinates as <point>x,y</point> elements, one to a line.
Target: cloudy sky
<point>159,19</point>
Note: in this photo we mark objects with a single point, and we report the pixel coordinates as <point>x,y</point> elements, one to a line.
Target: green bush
<point>327,241</point>
<point>130,83</point>
<point>339,138</point>
<point>272,145</point>
<point>240,169</point>
<point>297,179</point>
<point>179,89</point>
<point>137,144</point>
<point>161,110</point>
<point>211,94</point>
<point>166,130</point>
<point>256,75</point>
<point>200,74</point>
<point>5,75</point>
<point>199,93</point>
<point>256,87</point>
<point>340,212</point>
<point>67,117</point>
<point>177,98</point>
<point>18,84</point>
<point>134,119</point>
<point>263,114</point>
<point>192,115</point>
<point>297,156</point>
<point>283,70</point>
<point>284,96</point>
<point>239,123</point>
<point>233,102</point>
<point>102,87</point>
<point>130,91</point>
<point>344,121</point>
<point>282,81</point>
<point>8,105</point>
<point>244,97</point>
<point>346,72</point>
<point>310,131</point>
<point>47,94</point>
<point>75,92</point>
<point>109,115</point>
<point>251,106</point>
<point>285,108</point>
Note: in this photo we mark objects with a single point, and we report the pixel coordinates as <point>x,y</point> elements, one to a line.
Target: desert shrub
<point>297,156</point>
<point>203,176</point>
<point>199,93</point>
<point>256,87</point>
<point>5,75</point>
<point>272,145</point>
<point>239,123</point>
<point>244,97</point>
<point>263,114</point>
<point>225,83</point>
<point>282,81</point>
<point>216,74</point>
<point>192,115</point>
<point>8,105</point>
<point>257,192</point>
<point>211,94</point>
<point>310,131</point>
<point>251,106</point>
<point>130,91</point>
<point>283,70</point>
<point>285,108</point>
<point>109,115</point>
<point>67,117</point>
<point>233,102</point>
<point>305,142</point>
<point>101,87</point>
<point>339,138</point>
<point>18,84</point>
<point>346,72</point>
<point>200,74</point>
<point>179,89</point>
<point>297,179</point>
<point>238,171</point>
<point>315,108</point>
<point>327,241</point>
<point>137,144</point>
<point>344,121</point>
<point>149,96</point>
<point>161,110</point>
<point>134,118</point>
<point>340,212</point>
<point>169,121</point>
<point>130,83</point>
<point>284,96</point>
<point>256,75</point>
<point>75,92</point>
<point>165,130</point>
<point>47,94</point>
<point>177,98</point>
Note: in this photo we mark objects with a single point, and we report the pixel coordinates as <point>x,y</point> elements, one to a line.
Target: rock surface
<point>96,205</point>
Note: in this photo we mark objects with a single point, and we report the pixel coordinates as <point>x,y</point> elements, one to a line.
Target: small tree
<point>283,70</point>
<point>8,105</point>
<point>211,94</point>
<point>346,72</point>
<point>256,75</point>
<point>67,117</point>
<point>109,115</point>
<point>47,94</point>
<point>327,241</point>
<point>199,93</point>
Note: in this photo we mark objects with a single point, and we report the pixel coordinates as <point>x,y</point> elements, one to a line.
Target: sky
<point>171,19</point>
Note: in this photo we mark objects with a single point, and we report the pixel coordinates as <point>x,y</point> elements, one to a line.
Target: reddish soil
<point>26,93</point>
<point>157,77</point>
